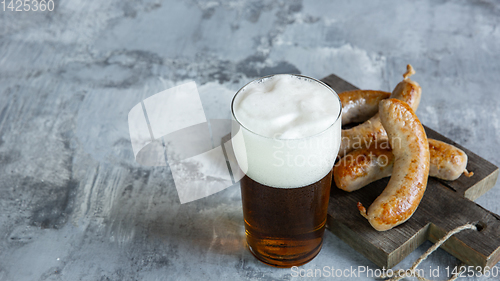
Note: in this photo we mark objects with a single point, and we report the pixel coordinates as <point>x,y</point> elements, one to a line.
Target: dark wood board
<point>445,206</point>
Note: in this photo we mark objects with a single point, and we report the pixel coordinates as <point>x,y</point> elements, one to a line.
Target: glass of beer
<point>286,139</point>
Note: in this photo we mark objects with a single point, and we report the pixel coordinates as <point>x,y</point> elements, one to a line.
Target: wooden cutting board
<point>445,206</point>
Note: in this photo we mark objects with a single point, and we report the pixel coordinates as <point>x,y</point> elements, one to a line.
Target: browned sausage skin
<point>447,161</point>
<point>364,166</point>
<point>408,182</point>
<point>360,105</point>
<point>372,130</point>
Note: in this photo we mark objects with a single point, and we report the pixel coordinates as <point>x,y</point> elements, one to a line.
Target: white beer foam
<point>291,130</point>
<point>286,107</point>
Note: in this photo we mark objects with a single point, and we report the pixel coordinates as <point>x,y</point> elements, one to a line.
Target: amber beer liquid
<point>285,228</point>
<point>286,141</point>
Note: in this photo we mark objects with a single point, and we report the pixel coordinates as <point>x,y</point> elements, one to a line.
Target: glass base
<point>287,261</point>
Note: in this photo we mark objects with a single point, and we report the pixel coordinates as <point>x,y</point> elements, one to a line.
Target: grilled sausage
<point>408,182</point>
<point>447,161</point>
<point>364,166</point>
<point>372,130</point>
<point>360,105</point>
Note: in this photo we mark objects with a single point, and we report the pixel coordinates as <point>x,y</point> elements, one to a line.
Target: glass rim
<point>298,75</point>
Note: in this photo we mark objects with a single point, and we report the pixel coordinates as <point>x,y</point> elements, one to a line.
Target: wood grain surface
<point>445,206</point>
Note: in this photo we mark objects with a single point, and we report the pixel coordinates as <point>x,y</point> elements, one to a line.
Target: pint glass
<point>289,130</point>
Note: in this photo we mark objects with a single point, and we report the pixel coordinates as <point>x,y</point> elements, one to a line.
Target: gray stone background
<point>74,205</point>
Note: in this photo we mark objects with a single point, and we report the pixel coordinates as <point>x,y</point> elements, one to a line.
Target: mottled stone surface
<point>74,205</point>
